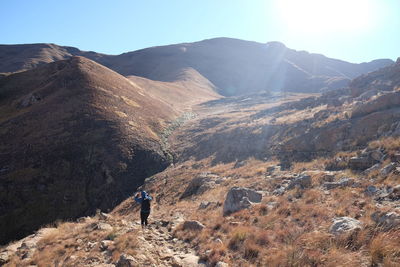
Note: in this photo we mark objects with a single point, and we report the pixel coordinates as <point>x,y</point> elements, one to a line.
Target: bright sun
<point>325,16</point>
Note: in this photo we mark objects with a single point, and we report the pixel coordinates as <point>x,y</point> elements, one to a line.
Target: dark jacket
<point>144,201</point>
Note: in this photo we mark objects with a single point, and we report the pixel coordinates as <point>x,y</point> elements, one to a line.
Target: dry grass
<point>125,243</point>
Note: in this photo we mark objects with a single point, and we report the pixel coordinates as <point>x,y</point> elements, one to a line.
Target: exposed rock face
<point>385,101</point>
<point>239,198</point>
<point>344,224</point>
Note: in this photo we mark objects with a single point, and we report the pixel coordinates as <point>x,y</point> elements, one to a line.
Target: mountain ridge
<point>233,66</point>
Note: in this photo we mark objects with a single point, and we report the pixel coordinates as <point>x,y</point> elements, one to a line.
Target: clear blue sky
<point>352,30</point>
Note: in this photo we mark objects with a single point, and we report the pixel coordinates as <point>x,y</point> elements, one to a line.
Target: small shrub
<point>237,238</point>
<point>251,250</point>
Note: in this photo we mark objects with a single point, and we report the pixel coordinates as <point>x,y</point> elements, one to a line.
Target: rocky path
<point>155,246</point>
<point>159,248</point>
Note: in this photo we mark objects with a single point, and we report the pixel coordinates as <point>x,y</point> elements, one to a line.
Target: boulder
<point>388,169</point>
<point>344,182</point>
<point>239,198</point>
<point>344,224</point>
<point>221,264</point>
<point>377,155</point>
<point>193,225</point>
<point>360,163</point>
<point>303,181</point>
<point>371,190</point>
<point>126,260</point>
<point>387,220</point>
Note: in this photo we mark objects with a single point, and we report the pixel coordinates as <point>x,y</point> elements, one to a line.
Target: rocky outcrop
<point>344,182</point>
<point>382,102</point>
<point>344,225</point>
<point>239,198</point>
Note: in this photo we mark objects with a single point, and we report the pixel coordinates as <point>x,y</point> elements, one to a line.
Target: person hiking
<point>144,200</point>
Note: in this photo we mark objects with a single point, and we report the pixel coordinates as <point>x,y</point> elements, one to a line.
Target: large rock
<point>193,225</point>
<point>360,163</point>
<point>344,182</point>
<point>239,198</point>
<point>303,181</point>
<point>371,190</point>
<point>344,224</point>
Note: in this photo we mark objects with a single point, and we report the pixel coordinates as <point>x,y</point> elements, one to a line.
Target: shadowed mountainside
<point>234,66</point>
<point>76,136</point>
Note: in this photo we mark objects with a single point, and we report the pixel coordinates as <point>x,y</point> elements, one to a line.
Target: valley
<point>252,158</point>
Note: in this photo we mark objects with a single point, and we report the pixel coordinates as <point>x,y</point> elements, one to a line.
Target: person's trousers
<point>143,217</point>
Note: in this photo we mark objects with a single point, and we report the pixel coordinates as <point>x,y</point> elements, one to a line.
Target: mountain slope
<point>76,136</point>
<point>240,67</point>
<point>234,66</point>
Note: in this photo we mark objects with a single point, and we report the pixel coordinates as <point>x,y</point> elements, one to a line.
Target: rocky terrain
<point>262,179</point>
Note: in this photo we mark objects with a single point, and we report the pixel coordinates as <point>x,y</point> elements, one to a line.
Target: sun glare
<point>325,16</point>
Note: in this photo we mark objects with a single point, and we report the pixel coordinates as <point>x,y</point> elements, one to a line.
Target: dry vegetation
<point>288,230</point>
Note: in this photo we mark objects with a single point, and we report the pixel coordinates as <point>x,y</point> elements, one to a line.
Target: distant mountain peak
<point>276,44</point>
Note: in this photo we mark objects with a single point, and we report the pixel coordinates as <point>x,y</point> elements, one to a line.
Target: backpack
<point>145,205</point>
